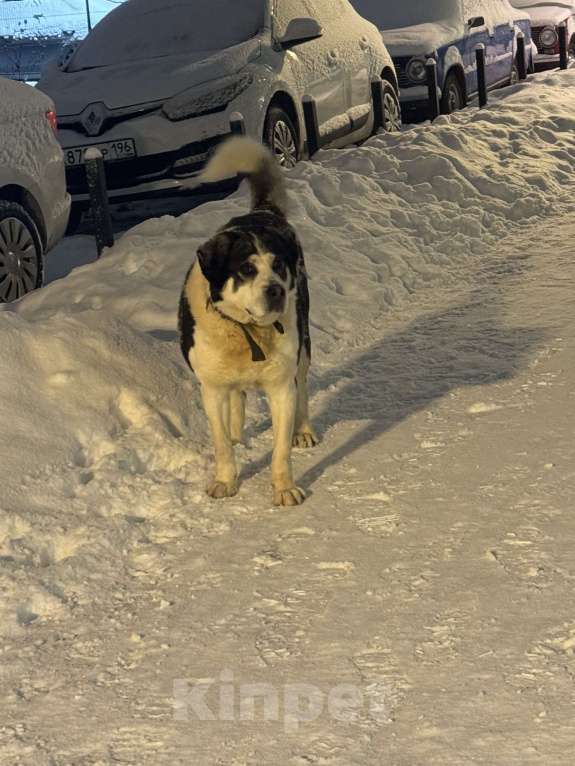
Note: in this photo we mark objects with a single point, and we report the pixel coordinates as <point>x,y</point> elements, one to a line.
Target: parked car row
<point>154,86</point>
<point>449,31</point>
<point>546,18</point>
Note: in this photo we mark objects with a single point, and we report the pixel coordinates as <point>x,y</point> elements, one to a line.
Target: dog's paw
<point>291,496</point>
<point>220,489</point>
<point>305,438</point>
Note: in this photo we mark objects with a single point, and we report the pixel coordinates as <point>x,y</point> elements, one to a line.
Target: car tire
<point>281,137</point>
<point>21,252</point>
<point>452,98</point>
<point>391,109</point>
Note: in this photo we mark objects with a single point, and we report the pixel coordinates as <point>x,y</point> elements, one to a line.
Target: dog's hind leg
<point>304,435</point>
<point>237,415</point>
<point>217,405</point>
<point>282,401</point>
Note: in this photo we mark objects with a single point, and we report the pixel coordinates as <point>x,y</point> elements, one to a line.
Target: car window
<point>145,29</point>
<point>405,13</point>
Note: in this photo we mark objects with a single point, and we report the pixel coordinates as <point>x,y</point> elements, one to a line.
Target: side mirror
<point>300,31</point>
<point>476,21</point>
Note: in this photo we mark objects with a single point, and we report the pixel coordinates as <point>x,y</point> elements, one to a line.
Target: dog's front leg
<point>304,435</point>
<point>282,401</point>
<point>217,405</point>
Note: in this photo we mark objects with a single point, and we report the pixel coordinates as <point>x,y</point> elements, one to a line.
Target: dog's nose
<point>275,293</point>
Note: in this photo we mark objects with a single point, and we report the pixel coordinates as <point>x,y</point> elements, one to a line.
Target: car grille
<point>536,37</point>
<point>114,117</point>
<point>401,63</point>
<point>129,173</point>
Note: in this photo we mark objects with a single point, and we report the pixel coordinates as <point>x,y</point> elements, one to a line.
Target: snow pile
<point>101,428</point>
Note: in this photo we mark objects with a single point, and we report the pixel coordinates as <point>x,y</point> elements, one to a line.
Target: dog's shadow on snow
<point>466,345</point>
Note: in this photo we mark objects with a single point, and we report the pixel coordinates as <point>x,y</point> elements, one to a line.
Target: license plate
<point>112,151</point>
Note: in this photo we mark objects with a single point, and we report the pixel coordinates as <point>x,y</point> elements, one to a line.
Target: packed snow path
<point>431,568</point>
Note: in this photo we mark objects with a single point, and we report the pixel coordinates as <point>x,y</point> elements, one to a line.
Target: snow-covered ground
<point>431,569</point>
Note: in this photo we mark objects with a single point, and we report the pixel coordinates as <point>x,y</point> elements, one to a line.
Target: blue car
<point>449,31</point>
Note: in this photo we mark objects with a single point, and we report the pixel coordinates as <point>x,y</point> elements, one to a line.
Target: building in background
<point>34,31</point>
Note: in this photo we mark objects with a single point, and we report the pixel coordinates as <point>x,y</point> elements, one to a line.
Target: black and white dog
<point>244,321</point>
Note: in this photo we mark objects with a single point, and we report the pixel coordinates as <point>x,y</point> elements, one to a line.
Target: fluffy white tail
<point>244,156</point>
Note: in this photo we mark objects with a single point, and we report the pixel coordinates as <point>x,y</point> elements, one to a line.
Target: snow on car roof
<point>408,12</point>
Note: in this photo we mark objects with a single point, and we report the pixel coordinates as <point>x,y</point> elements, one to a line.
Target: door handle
<point>364,42</point>
<point>332,57</point>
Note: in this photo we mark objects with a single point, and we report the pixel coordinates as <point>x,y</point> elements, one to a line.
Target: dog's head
<point>251,272</point>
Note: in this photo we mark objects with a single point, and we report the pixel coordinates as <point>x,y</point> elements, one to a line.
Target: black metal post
<point>88,16</point>
<point>237,124</point>
<point>481,81</point>
<point>96,178</point>
<point>521,65</point>
<point>311,125</point>
<point>563,57</point>
<point>433,94</point>
<point>377,101</point>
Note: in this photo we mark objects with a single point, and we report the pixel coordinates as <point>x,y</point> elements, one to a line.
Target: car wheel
<point>281,137</point>
<point>391,109</point>
<point>21,252</point>
<point>452,98</point>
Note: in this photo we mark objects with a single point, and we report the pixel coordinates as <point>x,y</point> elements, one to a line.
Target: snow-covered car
<point>546,17</point>
<point>34,203</point>
<point>155,83</point>
<point>449,31</point>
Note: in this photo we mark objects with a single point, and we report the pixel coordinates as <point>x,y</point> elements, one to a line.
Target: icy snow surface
<point>431,567</point>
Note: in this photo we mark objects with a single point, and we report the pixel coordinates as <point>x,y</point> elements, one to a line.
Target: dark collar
<point>257,353</point>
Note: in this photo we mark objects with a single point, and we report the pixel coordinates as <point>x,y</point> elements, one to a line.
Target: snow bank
<point>100,423</point>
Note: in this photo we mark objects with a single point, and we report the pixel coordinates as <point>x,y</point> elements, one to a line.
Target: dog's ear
<point>213,258</point>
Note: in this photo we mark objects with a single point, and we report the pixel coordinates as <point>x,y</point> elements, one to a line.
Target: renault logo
<point>93,118</point>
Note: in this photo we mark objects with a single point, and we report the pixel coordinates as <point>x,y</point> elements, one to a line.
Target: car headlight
<point>206,98</point>
<point>548,37</point>
<point>416,70</point>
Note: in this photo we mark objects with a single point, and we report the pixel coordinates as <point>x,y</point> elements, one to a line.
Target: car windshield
<point>406,13</point>
<point>145,29</point>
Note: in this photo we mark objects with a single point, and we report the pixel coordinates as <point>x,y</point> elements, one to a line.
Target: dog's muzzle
<point>275,297</point>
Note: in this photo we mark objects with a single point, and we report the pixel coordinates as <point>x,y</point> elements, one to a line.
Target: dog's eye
<point>280,267</point>
<point>247,270</point>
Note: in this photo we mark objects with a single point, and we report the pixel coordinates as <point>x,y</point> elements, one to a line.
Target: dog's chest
<point>222,355</point>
